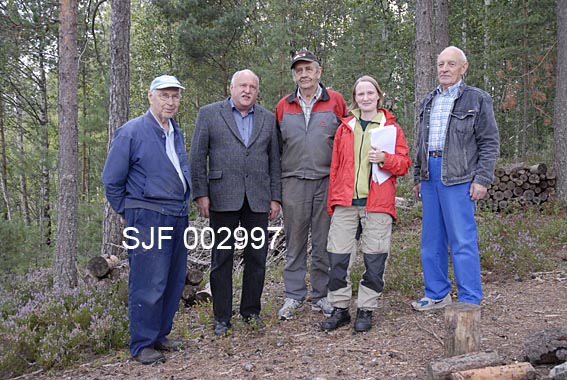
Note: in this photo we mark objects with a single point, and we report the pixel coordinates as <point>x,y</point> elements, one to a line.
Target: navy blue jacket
<point>138,173</point>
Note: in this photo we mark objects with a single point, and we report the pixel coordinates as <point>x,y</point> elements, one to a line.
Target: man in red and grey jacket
<point>307,120</point>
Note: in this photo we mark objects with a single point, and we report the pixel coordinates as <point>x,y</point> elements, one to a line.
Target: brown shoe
<point>149,355</point>
<point>169,345</point>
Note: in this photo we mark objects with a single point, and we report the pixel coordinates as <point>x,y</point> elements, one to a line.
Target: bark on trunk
<point>65,263</point>
<point>118,111</point>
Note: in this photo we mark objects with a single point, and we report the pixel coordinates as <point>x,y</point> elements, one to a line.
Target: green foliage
<point>90,231</point>
<point>19,248</point>
<point>40,328</point>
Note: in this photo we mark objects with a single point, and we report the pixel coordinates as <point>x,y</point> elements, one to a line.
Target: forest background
<point>72,72</point>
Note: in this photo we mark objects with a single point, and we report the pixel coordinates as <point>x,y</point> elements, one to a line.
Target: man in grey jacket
<point>235,168</point>
<point>457,147</point>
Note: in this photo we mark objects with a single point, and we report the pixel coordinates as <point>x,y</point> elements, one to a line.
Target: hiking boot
<point>323,306</point>
<point>427,303</point>
<point>221,328</point>
<point>289,308</point>
<point>149,355</point>
<point>254,320</point>
<point>339,317</point>
<point>363,320</point>
<point>169,345</point>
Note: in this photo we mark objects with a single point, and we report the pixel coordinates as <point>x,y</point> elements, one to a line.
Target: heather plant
<point>40,328</point>
<point>521,242</point>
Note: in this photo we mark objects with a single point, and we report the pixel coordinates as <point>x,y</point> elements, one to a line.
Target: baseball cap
<point>304,55</point>
<point>165,81</point>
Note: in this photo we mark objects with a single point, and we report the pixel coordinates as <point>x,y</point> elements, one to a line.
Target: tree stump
<point>463,328</point>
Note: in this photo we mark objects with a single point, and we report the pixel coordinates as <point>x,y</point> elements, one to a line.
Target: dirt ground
<point>399,346</point>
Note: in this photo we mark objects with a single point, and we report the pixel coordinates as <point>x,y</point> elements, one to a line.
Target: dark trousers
<point>224,225</point>
<point>157,276</point>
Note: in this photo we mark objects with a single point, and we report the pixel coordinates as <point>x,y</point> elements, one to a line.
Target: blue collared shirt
<point>440,111</point>
<point>244,123</point>
<point>170,149</point>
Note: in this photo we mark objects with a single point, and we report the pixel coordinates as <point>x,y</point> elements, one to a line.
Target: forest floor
<point>399,346</point>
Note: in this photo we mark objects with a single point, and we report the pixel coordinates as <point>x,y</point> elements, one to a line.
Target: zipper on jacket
<point>359,164</point>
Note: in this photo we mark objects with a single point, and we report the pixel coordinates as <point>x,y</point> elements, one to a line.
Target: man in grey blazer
<point>235,169</point>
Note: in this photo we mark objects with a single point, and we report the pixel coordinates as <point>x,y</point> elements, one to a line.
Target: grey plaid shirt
<point>307,107</point>
<point>440,111</point>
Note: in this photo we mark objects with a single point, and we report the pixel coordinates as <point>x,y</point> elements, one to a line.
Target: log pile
<point>519,185</point>
<point>194,292</point>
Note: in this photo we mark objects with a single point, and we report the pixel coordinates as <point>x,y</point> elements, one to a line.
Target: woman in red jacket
<point>370,151</point>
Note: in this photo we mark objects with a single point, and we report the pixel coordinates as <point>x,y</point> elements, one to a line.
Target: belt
<point>436,153</point>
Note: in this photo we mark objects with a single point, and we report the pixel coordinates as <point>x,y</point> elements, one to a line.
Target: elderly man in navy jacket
<point>235,167</point>
<point>147,182</point>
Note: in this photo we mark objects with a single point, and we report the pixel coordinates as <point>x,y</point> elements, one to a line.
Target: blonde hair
<point>366,78</point>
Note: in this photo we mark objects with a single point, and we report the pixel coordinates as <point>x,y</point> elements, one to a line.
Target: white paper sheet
<point>384,139</point>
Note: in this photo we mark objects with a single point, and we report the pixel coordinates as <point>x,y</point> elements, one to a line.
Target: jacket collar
<point>324,94</point>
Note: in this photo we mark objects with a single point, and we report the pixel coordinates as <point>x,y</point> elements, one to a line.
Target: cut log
<point>205,294</point>
<point>441,369</point>
<point>188,295</point>
<point>194,276</point>
<point>516,371</point>
<point>463,328</point>
<point>538,168</point>
<point>100,266</point>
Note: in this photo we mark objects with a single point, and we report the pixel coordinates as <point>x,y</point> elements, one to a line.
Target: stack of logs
<point>193,291</point>
<point>103,269</point>
<point>519,185</point>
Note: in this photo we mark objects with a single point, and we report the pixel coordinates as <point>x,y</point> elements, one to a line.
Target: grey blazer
<point>226,170</point>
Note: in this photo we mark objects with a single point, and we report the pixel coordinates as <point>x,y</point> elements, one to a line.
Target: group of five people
<point>322,163</point>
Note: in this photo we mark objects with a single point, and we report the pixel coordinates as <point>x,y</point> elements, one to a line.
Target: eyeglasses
<point>166,97</point>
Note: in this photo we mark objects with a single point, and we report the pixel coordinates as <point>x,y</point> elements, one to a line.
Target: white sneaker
<point>289,308</point>
<point>427,303</point>
<point>323,306</point>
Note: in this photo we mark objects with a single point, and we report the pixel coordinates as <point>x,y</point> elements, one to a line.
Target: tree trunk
<point>441,25</point>
<point>84,172</point>
<point>4,166</point>
<point>424,58</point>
<point>118,111</point>
<point>560,119</point>
<point>525,80</point>
<point>24,205</point>
<point>65,261</point>
<point>45,205</point>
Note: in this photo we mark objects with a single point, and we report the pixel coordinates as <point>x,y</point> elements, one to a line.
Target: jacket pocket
<point>215,174</point>
<point>464,121</point>
<point>159,188</point>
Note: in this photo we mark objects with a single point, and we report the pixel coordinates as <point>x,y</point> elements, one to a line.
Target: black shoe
<point>339,317</point>
<point>221,328</point>
<point>254,320</point>
<point>169,345</point>
<point>363,320</point>
<point>149,356</point>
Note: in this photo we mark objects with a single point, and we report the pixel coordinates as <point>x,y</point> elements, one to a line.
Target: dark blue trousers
<point>157,276</point>
<point>224,224</point>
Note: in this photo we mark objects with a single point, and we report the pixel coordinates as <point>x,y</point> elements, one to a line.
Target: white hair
<point>245,71</point>
<point>459,51</point>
